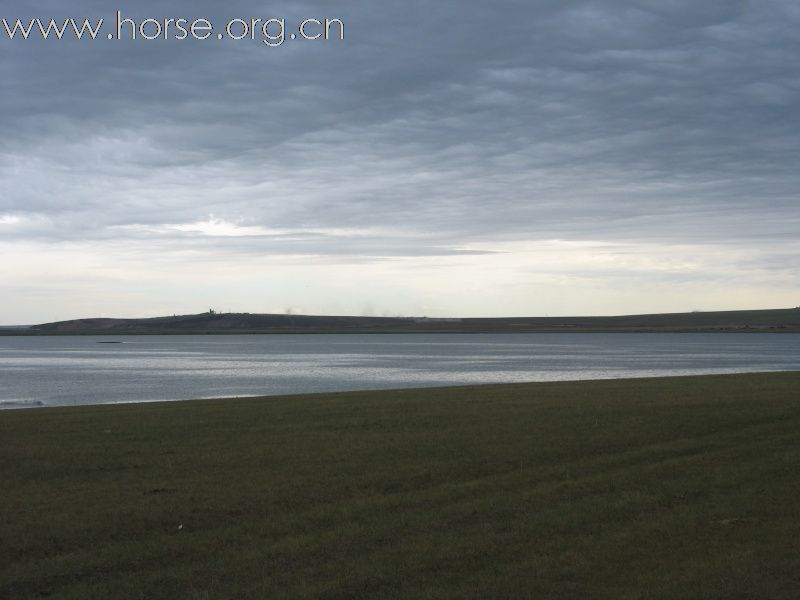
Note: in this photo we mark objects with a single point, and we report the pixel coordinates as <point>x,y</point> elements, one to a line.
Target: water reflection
<point>79,370</point>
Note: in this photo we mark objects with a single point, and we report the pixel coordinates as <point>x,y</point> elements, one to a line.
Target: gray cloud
<point>673,122</point>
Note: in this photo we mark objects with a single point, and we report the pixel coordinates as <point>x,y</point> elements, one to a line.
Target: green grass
<point>659,488</point>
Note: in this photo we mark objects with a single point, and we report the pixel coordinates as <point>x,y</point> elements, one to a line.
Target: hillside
<point>780,320</point>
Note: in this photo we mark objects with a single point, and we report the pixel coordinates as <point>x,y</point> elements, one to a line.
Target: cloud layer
<point>637,154</point>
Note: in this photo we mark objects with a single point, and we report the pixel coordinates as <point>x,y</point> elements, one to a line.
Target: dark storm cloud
<point>450,123</point>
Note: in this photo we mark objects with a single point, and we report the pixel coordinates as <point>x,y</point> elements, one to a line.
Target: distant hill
<point>780,320</point>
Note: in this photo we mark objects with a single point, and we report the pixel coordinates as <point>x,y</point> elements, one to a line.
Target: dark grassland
<point>657,488</point>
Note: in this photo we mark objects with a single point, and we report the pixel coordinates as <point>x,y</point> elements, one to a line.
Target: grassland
<point>658,488</point>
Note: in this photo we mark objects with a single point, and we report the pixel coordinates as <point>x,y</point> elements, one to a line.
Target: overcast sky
<point>465,157</point>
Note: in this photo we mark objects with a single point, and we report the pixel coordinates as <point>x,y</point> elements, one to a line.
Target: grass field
<point>657,488</point>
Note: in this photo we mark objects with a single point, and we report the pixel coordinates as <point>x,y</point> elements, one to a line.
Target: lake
<point>58,371</point>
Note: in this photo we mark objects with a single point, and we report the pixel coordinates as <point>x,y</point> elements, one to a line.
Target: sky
<point>453,158</point>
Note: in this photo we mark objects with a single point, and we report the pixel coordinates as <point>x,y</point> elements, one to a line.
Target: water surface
<point>53,371</point>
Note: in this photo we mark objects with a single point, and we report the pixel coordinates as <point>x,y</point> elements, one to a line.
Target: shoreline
<point>767,320</point>
<point>747,330</point>
<point>39,405</point>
